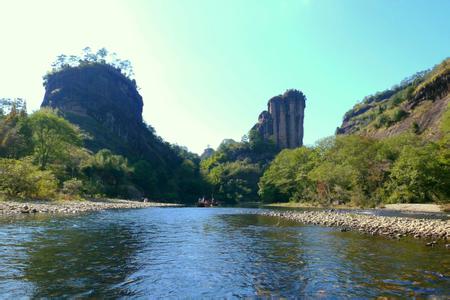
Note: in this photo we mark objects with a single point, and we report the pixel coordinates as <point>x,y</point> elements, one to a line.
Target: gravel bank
<point>13,207</point>
<point>395,227</point>
<point>432,208</point>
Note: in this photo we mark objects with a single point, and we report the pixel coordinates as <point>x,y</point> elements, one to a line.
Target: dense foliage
<point>235,168</point>
<point>21,178</point>
<point>42,156</point>
<point>360,171</point>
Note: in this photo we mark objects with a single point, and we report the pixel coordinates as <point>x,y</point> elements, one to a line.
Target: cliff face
<point>416,105</point>
<point>283,121</point>
<point>107,106</point>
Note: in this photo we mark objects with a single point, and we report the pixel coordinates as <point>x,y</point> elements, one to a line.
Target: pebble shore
<point>72,207</point>
<point>395,227</point>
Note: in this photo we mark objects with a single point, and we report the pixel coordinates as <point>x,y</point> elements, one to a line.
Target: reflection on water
<point>66,256</point>
<point>79,262</point>
<point>200,252</point>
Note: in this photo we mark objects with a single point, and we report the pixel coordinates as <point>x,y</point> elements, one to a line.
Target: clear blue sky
<point>208,67</point>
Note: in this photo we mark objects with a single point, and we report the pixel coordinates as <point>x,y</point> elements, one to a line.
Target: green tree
<point>258,144</point>
<point>102,53</point>
<point>419,176</point>
<point>287,176</point>
<point>52,136</point>
<point>108,174</point>
<point>235,181</point>
<point>145,176</point>
<point>346,170</point>
<point>14,130</point>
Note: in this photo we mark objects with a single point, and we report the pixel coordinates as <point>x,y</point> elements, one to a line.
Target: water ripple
<point>208,253</point>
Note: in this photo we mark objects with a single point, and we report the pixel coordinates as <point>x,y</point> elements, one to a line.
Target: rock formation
<point>283,121</point>
<point>107,106</point>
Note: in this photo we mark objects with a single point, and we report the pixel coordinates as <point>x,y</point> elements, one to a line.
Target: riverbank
<point>394,227</point>
<point>71,207</point>
<point>416,207</point>
<point>413,207</point>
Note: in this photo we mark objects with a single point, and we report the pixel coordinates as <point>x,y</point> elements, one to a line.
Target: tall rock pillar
<point>283,120</point>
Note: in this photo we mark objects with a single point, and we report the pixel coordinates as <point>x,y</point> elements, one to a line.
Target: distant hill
<point>416,105</point>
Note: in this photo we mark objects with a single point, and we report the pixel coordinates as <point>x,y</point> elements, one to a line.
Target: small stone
<point>25,209</point>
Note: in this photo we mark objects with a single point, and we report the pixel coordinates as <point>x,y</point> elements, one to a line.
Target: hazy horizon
<point>207,70</point>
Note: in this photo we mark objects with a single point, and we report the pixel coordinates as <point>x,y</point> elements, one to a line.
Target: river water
<point>208,252</point>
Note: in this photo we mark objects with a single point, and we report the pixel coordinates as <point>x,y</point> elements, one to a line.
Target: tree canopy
<point>88,56</point>
<point>52,136</point>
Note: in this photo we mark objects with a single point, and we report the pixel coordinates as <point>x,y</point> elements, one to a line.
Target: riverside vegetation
<point>42,157</point>
<point>361,171</point>
<point>45,156</point>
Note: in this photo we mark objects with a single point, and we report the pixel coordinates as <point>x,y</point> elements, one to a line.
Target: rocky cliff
<point>416,105</point>
<point>283,121</point>
<point>107,106</point>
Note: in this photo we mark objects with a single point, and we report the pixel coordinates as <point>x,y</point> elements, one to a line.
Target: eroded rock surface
<point>282,122</point>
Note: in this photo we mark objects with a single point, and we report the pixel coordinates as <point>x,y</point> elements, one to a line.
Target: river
<point>208,252</point>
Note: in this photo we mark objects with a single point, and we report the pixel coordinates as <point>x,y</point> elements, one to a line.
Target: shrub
<point>381,121</point>
<point>20,178</point>
<point>398,115</point>
<point>415,128</point>
<point>72,187</point>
